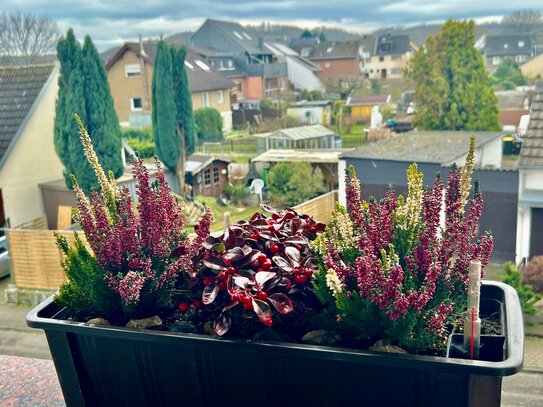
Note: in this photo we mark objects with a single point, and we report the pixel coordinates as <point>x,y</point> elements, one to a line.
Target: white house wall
<point>302,77</point>
<point>530,196</point>
<point>491,154</point>
<point>226,121</point>
<point>32,161</point>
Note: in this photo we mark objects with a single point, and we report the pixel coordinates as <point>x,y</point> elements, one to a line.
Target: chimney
<point>260,43</point>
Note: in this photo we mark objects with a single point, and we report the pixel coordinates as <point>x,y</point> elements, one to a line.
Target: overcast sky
<point>111,22</point>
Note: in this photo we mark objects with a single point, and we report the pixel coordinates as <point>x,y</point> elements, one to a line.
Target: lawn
<point>219,211</point>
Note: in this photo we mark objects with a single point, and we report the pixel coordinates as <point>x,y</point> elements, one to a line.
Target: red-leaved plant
<point>256,264</point>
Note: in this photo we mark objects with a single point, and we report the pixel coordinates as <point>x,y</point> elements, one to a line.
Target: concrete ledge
<point>26,296</point>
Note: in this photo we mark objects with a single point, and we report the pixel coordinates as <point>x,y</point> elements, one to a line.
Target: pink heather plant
<point>133,269</point>
<point>404,265</point>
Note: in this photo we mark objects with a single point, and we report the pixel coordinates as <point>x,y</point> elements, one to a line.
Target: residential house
<point>312,112</point>
<point>339,61</point>
<point>27,150</point>
<point>390,57</point>
<point>304,46</point>
<point>130,74</point>
<point>533,68</point>
<point>384,163</point>
<point>242,57</point>
<point>530,184</point>
<point>206,174</point>
<point>361,107</point>
<point>497,48</point>
<point>302,73</point>
<point>303,137</point>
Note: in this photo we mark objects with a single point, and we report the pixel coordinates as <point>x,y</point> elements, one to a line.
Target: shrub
<point>140,133</point>
<point>209,124</point>
<point>527,297</point>
<point>533,274</point>
<point>294,183</point>
<point>141,140</point>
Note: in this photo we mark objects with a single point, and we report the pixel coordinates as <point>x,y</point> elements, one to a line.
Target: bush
<point>209,124</point>
<point>141,140</point>
<point>294,183</point>
<point>527,297</point>
<point>533,274</point>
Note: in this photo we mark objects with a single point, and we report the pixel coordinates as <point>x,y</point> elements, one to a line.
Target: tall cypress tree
<point>168,144</point>
<point>452,86</point>
<point>183,99</point>
<point>102,121</point>
<point>83,89</point>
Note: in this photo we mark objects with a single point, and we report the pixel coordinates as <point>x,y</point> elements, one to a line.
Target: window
<point>521,44</point>
<point>132,70</point>
<point>506,45</point>
<point>327,64</point>
<point>189,65</point>
<point>207,177</point>
<point>282,84</point>
<point>136,105</point>
<point>381,59</point>
<point>495,60</point>
<point>205,99</point>
<point>201,65</point>
<point>520,59</point>
<point>305,52</point>
<point>230,64</point>
<point>215,175</point>
<point>220,96</point>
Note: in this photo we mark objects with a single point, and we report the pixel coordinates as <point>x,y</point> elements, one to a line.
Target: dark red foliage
<point>258,264</point>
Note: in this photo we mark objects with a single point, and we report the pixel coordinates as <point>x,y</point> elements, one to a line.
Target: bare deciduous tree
<point>26,37</point>
<point>525,21</point>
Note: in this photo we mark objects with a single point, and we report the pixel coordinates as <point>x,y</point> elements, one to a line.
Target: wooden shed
<point>361,107</point>
<point>206,174</point>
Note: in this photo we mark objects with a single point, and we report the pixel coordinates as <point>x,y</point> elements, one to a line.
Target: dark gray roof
<point>200,79</point>
<point>508,44</point>
<point>392,45</point>
<point>531,153</point>
<point>245,38</point>
<point>335,50</point>
<point>19,90</point>
<point>438,147</point>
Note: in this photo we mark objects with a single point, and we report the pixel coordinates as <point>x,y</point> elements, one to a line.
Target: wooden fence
<point>319,208</point>
<point>35,258</point>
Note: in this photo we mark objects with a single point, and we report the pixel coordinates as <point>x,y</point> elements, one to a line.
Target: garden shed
<point>385,163</point>
<point>303,137</point>
<point>361,107</point>
<point>206,174</point>
<point>311,111</point>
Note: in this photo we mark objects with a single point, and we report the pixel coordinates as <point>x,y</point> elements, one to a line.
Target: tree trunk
<point>180,167</point>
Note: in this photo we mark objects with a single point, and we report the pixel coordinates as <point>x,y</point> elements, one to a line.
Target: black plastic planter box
<point>112,366</point>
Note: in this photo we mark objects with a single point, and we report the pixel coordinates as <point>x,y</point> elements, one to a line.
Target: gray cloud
<point>110,22</point>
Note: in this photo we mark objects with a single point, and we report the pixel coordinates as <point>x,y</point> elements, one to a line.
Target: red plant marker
<point>472,339</point>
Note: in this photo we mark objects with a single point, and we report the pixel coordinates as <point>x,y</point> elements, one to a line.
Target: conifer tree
<point>452,86</point>
<point>183,99</point>
<point>168,144</point>
<point>83,89</point>
<point>102,121</point>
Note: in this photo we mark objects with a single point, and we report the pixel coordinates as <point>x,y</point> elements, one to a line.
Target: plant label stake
<point>472,323</point>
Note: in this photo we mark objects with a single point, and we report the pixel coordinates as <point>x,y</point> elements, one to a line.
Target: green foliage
<point>528,298</point>
<point>183,99</point>
<point>508,75</point>
<point>167,141</point>
<point>294,183</point>
<point>86,290</point>
<point>141,140</point>
<point>83,89</point>
<point>452,88</point>
<point>209,124</point>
